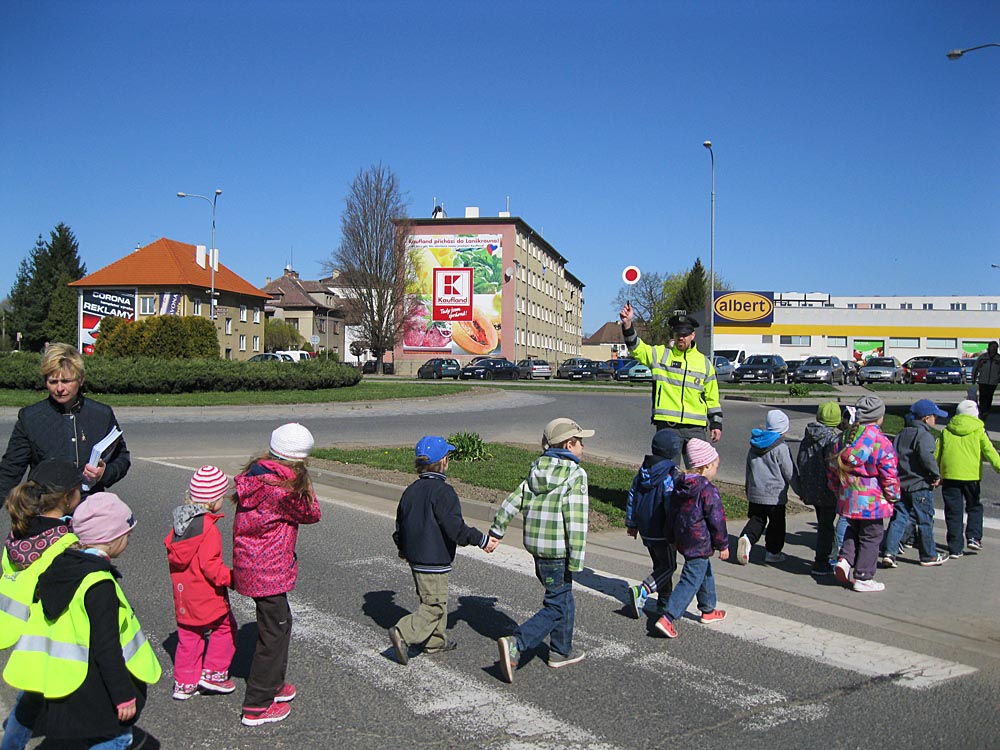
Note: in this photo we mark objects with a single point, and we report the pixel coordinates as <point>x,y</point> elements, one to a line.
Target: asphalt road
<point>796,665</point>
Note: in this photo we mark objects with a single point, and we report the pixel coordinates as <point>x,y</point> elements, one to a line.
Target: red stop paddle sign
<point>631,275</point>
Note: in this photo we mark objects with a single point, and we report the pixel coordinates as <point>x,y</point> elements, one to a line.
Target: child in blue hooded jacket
<point>646,517</point>
<point>769,471</point>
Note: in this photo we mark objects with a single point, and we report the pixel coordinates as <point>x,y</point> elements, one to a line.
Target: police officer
<point>685,391</point>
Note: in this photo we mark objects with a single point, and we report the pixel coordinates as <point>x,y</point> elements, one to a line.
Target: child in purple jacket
<point>696,525</point>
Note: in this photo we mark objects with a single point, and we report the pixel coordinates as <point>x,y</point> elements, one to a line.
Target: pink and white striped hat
<point>208,484</point>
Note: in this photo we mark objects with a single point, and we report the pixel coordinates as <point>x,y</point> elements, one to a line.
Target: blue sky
<point>851,155</point>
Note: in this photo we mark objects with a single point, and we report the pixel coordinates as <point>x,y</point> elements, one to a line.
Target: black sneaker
<point>557,660</point>
<point>975,544</point>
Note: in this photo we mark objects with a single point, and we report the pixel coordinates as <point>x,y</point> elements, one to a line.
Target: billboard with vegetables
<point>477,332</point>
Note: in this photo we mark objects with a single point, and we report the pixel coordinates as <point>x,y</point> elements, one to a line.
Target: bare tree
<point>372,257</point>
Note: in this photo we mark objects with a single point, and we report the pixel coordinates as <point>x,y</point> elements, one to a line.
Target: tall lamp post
<point>957,53</point>
<point>711,283</point>
<point>212,257</point>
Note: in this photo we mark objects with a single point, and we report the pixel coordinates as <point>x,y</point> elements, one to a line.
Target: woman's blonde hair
<point>62,356</point>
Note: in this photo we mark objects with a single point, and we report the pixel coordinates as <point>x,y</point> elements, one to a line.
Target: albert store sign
<point>734,308</point>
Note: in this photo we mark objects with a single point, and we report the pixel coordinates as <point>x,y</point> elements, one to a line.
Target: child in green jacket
<point>960,450</point>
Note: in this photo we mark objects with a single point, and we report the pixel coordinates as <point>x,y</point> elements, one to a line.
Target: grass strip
<point>508,466</point>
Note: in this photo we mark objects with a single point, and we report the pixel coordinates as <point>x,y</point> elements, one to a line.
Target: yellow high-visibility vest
<point>52,657</point>
<point>685,389</point>
<point>17,589</point>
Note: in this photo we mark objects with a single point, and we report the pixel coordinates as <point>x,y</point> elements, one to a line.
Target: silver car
<point>821,370</point>
<point>723,369</point>
<point>881,370</point>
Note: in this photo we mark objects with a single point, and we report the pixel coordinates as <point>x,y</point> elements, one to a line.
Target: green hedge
<point>149,375</point>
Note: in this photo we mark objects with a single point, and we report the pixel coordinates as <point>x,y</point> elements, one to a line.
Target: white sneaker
<point>776,557</point>
<point>743,547</point>
<point>842,570</point>
<point>869,585</point>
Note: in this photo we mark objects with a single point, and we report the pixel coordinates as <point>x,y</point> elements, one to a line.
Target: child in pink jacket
<point>200,582</point>
<point>274,495</point>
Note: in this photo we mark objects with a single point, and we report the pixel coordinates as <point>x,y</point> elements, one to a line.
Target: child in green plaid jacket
<point>555,505</point>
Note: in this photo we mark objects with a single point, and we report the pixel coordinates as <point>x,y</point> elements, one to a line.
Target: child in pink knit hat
<point>200,582</point>
<point>696,526</point>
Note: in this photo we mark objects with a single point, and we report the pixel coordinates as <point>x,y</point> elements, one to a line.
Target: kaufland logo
<point>452,295</point>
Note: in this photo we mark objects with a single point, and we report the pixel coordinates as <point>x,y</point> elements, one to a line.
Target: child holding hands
<point>696,524</point>
<point>429,526</point>
<point>274,494</point>
<point>200,582</point>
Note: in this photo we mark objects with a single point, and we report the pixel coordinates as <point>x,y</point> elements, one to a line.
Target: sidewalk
<point>949,611</point>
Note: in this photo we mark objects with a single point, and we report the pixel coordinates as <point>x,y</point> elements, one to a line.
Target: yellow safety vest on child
<point>17,589</point>
<point>53,657</point>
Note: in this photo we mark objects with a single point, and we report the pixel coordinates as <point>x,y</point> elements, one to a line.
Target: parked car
<point>495,368</point>
<point>723,369</point>
<point>881,370</point>
<point>617,364</point>
<point>763,368</point>
<point>439,367</point>
<point>583,369</point>
<point>968,363</point>
<point>821,370</point>
<point>296,355</point>
<point>946,370</point>
<point>793,365</point>
<point>634,371</point>
<point>915,370</point>
<point>269,357</point>
<point>369,367</point>
<point>736,356</point>
<point>851,371</point>
<point>603,371</point>
<point>534,368</point>
<point>568,364</point>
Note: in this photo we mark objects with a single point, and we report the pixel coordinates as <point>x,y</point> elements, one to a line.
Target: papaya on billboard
<point>731,308</point>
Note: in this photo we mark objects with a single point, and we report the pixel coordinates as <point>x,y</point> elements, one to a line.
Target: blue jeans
<point>914,509</point>
<point>555,619</point>
<point>696,579</point>
<point>121,742</point>
<point>841,530</point>
<point>15,735</point>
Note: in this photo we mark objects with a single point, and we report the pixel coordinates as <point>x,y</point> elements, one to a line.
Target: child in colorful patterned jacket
<point>696,524</point>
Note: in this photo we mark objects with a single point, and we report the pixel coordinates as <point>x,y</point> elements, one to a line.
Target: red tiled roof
<point>167,263</point>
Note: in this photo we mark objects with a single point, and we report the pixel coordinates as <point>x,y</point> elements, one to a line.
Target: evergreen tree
<point>61,322</point>
<point>694,296</point>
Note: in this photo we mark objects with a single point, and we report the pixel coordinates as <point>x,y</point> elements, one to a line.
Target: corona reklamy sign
<point>743,307</point>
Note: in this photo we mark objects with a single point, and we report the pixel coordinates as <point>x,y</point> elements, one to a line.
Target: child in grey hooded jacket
<point>769,471</point>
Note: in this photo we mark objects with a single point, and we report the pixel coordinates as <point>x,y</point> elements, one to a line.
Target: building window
<point>957,305</point>
<point>293,322</point>
<point>243,342</point>
<point>256,315</point>
<point>795,340</point>
<point>905,305</point>
<point>852,305</point>
<point>942,343</point>
<point>928,306</point>
<point>147,305</point>
<point>196,307</point>
<point>836,341</point>
<point>991,306</point>
<point>243,313</point>
<point>767,339</point>
<point>256,343</point>
<point>878,306</point>
<point>229,326</point>
<point>904,343</point>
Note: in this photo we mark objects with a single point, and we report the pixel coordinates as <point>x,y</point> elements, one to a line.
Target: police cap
<point>682,324</point>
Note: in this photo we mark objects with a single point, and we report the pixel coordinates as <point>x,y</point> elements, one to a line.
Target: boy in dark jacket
<point>646,517</point>
<point>918,476</point>
<point>429,526</point>
<point>811,461</point>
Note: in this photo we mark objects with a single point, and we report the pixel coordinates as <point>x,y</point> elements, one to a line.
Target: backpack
<point>812,460</point>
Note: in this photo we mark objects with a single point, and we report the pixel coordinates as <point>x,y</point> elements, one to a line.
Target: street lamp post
<point>212,257</point>
<point>954,54</point>
<point>711,283</point>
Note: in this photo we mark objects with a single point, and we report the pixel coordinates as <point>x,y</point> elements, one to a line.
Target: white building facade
<point>856,327</point>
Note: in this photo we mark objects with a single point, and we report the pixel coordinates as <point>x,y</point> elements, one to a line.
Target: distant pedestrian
<point>646,517</point>
<point>274,495</point>
<point>961,447</point>
<point>918,476</point>
<point>811,461</point>
<point>555,504</point>
<point>986,373</point>
<point>769,472</point>
<point>696,525</point>
<point>429,527</point>
<point>200,581</point>
<point>864,474</point>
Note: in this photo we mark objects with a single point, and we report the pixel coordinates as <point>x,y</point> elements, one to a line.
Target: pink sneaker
<point>285,693</point>
<point>185,690</point>
<point>216,682</point>
<point>716,615</point>
<point>665,626</point>
<point>274,712</point>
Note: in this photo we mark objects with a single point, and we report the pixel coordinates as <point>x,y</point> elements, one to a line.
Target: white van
<point>297,355</point>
